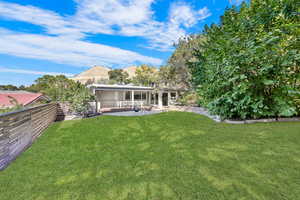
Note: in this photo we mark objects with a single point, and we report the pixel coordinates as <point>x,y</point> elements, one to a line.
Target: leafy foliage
<point>12,87</point>
<point>60,88</point>
<point>119,76</point>
<point>182,56</point>
<point>79,101</point>
<point>166,77</point>
<point>189,99</point>
<point>248,65</point>
<point>145,75</point>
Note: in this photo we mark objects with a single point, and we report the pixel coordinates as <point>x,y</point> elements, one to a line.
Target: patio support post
<point>96,102</point>
<point>132,98</point>
<point>169,97</point>
<point>160,103</point>
<point>148,98</point>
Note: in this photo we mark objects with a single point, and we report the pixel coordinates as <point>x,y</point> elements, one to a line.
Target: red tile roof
<point>22,98</point>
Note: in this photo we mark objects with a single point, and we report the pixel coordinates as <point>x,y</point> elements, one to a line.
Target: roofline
<point>130,87</point>
<point>118,87</point>
<point>37,98</point>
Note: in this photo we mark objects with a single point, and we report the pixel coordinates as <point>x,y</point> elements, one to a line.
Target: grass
<point>171,155</point>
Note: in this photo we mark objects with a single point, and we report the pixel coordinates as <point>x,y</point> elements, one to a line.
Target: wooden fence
<point>19,129</point>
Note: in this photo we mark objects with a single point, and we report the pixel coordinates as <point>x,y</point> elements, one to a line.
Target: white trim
<point>97,86</point>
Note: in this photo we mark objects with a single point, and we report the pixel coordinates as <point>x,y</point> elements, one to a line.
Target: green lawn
<point>165,156</point>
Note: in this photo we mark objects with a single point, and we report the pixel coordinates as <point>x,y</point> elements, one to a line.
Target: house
<point>126,97</point>
<point>9,99</point>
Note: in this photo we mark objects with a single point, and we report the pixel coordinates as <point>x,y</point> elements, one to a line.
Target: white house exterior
<point>115,97</point>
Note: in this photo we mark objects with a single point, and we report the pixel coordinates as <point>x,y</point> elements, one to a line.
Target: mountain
<point>97,73</point>
<point>94,74</point>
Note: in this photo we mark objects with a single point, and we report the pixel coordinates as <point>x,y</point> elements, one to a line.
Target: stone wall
<point>19,129</point>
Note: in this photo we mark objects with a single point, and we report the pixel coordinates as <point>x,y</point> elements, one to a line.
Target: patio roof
<point>118,87</point>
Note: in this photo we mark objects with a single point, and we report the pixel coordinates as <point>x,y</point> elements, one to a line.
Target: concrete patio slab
<point>132,113</point>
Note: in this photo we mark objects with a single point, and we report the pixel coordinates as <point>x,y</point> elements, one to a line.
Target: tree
<point>56,87</point>
<point>8,87</point>
<point>22,87</point>
<point>248,65</point>
<point>81,97</point>
<point>145,75</point>
<point>182,56</point>
<point>119,76</point>
<point>61,89</point>
<point>166,76</point>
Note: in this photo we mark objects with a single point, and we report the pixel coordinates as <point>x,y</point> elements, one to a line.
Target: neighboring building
<point>120,97</point>
<point>8,99</point>
<point>99,73</point>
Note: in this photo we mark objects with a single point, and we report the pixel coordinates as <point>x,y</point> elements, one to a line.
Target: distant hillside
<point>95,73</point>
<point>98,73</point>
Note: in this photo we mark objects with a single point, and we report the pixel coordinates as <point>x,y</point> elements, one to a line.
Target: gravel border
<point>216,118</point>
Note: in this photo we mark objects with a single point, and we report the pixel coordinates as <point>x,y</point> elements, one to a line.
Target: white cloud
<point>113,12</point>
<point>21,71</point>
<point>65,43</point>
<point>67,51</point>
<point>183,14</point>
<point>51,21</point>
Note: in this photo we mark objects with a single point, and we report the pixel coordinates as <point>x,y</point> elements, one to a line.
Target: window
<point>128,95</point>
<point>173,95</point>
<point>137,95</point>
<point>144,96</point>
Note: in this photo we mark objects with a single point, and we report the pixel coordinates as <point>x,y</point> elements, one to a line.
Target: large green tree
<point>60,88</point>
<point>119,76</point>
<point>248,65</point>
<point>145,75</point>
<point>166,77</point>
<point>183,55</point>
<point>8,87</point>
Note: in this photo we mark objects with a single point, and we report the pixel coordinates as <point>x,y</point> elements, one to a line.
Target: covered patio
<point>126,97</point>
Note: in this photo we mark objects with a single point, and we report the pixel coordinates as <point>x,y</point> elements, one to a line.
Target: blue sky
<point>40,37</point>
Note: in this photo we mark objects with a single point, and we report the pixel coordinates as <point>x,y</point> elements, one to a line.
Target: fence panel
<point>19,129</point>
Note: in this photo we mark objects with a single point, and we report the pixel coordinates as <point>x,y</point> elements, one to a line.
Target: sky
<point>39,37</point>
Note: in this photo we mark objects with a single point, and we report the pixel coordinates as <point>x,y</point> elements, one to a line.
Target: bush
<point>189,99</point>
<point>249,63</point>
<point>79,102</point>
<point>61,89</point>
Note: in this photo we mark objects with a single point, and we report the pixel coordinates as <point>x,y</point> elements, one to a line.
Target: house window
<point>144,96</point>
<point>128,95</point>
<point>137,95</point>
<point>173,96</point>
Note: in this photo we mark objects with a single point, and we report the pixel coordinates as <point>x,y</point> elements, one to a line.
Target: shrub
<point>79,101</point>
<point>61,89</point>
<point>189,99</point>
<point>249,63</point>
